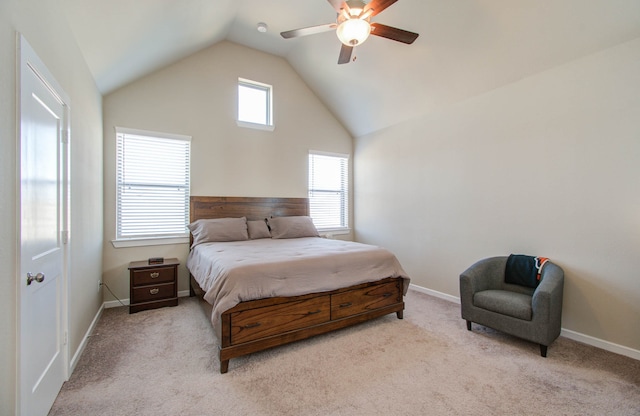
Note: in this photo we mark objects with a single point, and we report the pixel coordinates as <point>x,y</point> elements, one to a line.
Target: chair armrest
<point>483,275</point>
<point>547,298</point>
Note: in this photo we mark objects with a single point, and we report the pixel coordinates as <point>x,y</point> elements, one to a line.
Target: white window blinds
<point>152,184</point>
<point>329,190</point>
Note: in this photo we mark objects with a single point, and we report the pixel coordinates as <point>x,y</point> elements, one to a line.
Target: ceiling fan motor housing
<point>353,23</point>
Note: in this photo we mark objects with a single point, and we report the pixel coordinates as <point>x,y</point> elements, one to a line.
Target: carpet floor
<point>163,362</point>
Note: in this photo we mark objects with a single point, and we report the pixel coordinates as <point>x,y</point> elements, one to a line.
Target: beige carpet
<point>163,362</point>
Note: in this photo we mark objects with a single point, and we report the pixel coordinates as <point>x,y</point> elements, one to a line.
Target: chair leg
<point>543,350</point>
<point>468,325</point>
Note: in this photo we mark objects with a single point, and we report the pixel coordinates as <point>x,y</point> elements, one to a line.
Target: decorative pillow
<point>292,227</point>
<point>258,229</point>
<point>218,229</point>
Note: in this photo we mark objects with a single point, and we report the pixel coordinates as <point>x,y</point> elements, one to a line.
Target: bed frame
<point>265,323</point>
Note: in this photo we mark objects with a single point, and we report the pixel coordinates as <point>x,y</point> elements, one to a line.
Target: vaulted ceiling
<point>465,48</point>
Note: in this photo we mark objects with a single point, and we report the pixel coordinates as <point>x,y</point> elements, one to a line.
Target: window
<point>255,105</point>
<point>152,185</point>
<point>329,190</point>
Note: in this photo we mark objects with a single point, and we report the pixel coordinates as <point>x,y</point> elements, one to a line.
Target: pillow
<point>292,227</point>
<point>258,229</point>
<point>218,229</point>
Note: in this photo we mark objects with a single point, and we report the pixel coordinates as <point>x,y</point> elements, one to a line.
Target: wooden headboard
<point>254,208</point>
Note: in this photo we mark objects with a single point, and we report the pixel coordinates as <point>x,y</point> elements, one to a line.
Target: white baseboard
<point>434,293</point>
<point>605,345</point>
<point>125,302</point>
<point>74,361</point>
<point>576,336</point>
<point>116,303</point>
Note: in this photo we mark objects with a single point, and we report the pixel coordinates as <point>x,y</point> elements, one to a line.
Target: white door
<point>42,344</point>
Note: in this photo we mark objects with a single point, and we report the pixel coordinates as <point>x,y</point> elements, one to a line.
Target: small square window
<point>255,105</point>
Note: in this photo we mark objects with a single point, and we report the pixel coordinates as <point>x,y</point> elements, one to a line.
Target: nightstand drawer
<point>153,292</point>
<point>153,276</point>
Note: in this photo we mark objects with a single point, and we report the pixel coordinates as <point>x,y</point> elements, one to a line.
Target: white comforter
<point>233,272</point>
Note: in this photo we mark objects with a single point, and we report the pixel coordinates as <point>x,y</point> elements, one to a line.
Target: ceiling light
<point>353,32</point>
<point>262,27</point>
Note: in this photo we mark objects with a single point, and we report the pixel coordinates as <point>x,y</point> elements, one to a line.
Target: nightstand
<point>153,285</point>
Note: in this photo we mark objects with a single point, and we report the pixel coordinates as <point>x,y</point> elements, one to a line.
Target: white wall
<point>549,165</point>
<point>46,29</point>
<point>198,97</point>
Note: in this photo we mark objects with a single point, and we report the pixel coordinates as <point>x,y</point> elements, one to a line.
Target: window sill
<point>140,242</point>
<point>330,233</point>
<point>255,126</point>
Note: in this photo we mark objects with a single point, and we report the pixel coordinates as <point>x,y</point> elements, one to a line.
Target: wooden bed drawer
<point>258,323</point>
<point>363,300</point>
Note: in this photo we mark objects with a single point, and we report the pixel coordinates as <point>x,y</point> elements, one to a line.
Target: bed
<point>265,292</point>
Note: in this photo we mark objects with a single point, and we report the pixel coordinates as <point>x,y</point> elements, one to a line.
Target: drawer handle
<point>154,291</point>
<point>314,312</point>
<point>387,295</point>
<point>154,275</point>
<point>257,324</point>
<point>345,305</point>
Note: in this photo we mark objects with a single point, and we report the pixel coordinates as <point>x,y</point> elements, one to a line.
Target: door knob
<point>38,278</point>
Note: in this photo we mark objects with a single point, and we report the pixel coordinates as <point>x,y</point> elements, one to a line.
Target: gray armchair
<point>528,313</point>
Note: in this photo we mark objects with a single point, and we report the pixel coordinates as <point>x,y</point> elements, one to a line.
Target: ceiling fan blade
<point>345,54</point>
<point>312,30</point>
<point>393,33</point>
<point>378,5</point>
<point>336,4</point>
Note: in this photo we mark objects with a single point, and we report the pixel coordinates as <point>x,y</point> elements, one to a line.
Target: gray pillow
<point>258,229</point>
<point>292,227</point>
<point>218,229</point>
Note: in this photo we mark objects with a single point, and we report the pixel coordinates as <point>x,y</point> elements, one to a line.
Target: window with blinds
<point>329,190</point>
<point>152,185</point>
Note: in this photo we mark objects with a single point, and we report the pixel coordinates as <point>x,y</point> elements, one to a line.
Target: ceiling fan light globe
<point>353,32</point>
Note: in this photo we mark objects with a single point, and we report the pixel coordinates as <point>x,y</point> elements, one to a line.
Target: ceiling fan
<point>353,26</point>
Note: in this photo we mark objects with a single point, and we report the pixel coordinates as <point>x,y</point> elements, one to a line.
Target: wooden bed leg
<point>224,366</point>
<point>400,314</point>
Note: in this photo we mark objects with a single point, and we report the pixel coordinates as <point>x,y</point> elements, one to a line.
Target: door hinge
<point>65,237</point>
<point>64,136</point>
<point>65,338</point>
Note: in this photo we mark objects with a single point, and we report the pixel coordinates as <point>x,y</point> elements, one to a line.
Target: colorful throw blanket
<point>524,270</point>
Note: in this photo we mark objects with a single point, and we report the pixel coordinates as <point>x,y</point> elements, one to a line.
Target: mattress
<point>238,271</point>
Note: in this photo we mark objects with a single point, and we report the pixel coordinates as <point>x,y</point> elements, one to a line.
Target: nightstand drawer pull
<point>387,295</point>
<point>154,291</point>
<point>345,305</point>
<point>154,275</point>
<point>314,312</point>
<point>257,324</point>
